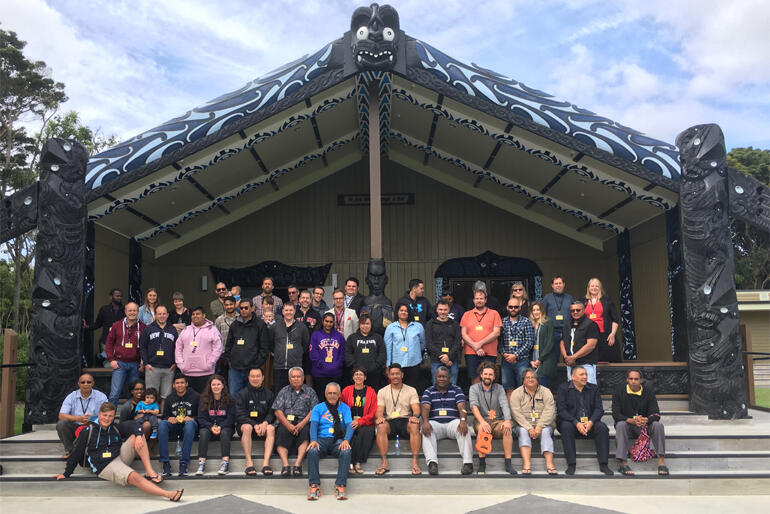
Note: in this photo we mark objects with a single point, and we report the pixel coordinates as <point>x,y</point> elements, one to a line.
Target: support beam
<point>717,385</point>
<point>375,191</point>
<point>676,284</point>
<point>88,294</point>
<point>57,295</point>
<point>135,272</point>
<point>626,296</point>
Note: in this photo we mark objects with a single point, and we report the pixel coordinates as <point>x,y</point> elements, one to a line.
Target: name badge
<point>129,345</point>
<point>331,430</point>
<point>559,317</point>
<point>592,315</point>
<point>160,353</point>
<point>329,359</point>
<point>442,412</point>
<point>492,414</point>
<point>537,347</point>
<point>395,414</point>
<point>240,342</point>
<point>535,415</point>
<point>584,419</point>
<point>193,343</point>
<point>514,343</point>
<point>290,417</point>
<point>106,455</point>
<point>254,414</point>
<point>417,318</point>
<point>364,350</point>
<point>444,349</point>
<point>289,346</point>
<point>404,349</point>
<point>479,327</point>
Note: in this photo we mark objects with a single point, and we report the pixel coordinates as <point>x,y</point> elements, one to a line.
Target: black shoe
<point>509,467</point>
<point>467,468</point>
<point>182,469</point>
<point>570,469</point>
<point>482,469</point>
<point>604,468</point>
<point>432,468</point>
<point>166,469</point>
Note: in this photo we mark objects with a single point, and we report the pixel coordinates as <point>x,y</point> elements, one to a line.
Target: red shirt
<point>479,326</point>
<point>595,312</point>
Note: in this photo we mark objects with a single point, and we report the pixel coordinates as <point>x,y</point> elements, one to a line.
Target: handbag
<point>641,451</point>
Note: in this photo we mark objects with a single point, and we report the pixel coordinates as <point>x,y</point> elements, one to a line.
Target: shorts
<point>398,427</point>
<point>118,470</point>
<point>254,436</point>
<point>287,440</point>
<point>495,424</point>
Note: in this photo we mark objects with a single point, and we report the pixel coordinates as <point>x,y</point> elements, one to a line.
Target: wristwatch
<point>462,419</point>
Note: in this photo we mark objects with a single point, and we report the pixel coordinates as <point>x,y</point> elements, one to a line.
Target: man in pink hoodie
<point>198,349</point>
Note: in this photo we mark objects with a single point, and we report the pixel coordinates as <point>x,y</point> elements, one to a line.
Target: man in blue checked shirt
<point>516,342</point>
<point>330,434</point>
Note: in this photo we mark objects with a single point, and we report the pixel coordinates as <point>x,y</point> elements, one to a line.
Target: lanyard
<point>395,402</point>
<point>443,399</point>
<point>479,320</point>
<point>403,333</point>
<point>338,320</point>
<point>484,395</point>
<point>558,304</point>
<point>126,328</point>
<point>532,397</point>
<point>81,404</point>
<point>294,399</point>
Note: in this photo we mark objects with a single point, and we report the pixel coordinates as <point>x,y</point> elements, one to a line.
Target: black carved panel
<point>283,275</point>
<point>57,294</point>
<point>626,296</point>
<point>717,384</point>
<point>18,214</point>
<point>664,379</point>
<point>88,295</point>
<point>135,271</point>
<point>749,199</point>
<point>676,286</point>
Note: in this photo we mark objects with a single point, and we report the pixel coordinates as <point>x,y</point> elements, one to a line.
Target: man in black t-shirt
<point>578,342</point>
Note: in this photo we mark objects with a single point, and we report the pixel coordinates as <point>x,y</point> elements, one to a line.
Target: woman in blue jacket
<point>216,417</point>
<point>405,344</point>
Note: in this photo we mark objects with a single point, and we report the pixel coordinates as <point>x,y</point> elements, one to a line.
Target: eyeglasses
<point>221,289</point>
<point>517,289</point>
<point>514,307</point>
<point>576,310</point>
<point>86,381</point>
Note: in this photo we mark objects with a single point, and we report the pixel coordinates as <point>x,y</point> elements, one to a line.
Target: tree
<point>27,93</point>
<point>751,244</point>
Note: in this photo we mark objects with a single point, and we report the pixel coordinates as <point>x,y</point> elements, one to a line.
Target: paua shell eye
<point>362,33</point>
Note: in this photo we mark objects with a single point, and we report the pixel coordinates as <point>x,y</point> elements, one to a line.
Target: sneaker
<point>154,435</point>
<point>339,492</point>
<point>224,467</point>
<point>183,469</point>
<point>432,468</point>
<point>201,467</point>
<point>314,493</point>
<point>467,469</point>
<point>166,469</point>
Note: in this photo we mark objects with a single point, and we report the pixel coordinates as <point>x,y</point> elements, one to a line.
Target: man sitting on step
<point>492,414</point>
<point>77,409</point>
<point>443,409</point>
<point>634,408</point>
<point>580,411</point>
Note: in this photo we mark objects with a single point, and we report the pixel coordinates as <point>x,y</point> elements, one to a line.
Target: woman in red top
<point>601,310</point>
<point>362,401</point>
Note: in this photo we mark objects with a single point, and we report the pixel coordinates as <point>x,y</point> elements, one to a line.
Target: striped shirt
<point>443,406</point>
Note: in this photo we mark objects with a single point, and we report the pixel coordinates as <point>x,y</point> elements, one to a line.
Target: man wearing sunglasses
<point>77,409</point>
<point>217,306</point>
<point>515,345</point>
<point>578,342</point>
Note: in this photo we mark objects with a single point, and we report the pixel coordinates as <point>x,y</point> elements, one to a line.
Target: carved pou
<point>375,34</point>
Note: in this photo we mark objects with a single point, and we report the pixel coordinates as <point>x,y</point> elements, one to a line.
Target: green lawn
<point>18,418</point>
<point>762,396</point>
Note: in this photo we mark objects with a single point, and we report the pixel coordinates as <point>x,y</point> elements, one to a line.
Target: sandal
<point>286,471</point>
<point>359,469</point>
<point>381,471</point>
<point>296,471</point>
<point>251,471</point>
<point>526,472</point>
<point>626,470</point>
<point>155,479</point>
<point>552,471</point>
<point>266,470</point>
<point>177,495</point>
<point>416,469</point>
<point>663,471</point>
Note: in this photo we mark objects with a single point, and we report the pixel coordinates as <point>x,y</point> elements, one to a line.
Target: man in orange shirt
<point>480,328</point>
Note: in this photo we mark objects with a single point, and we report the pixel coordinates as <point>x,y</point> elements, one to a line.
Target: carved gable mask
<point>375,36</point>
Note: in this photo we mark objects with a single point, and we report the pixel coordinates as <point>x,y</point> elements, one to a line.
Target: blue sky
<point>658,66</point>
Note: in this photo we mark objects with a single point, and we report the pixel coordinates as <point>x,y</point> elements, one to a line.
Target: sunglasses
<point>87,382</point>
<point>514,307</point>
<point>576,310</point>
<point>518,289</point>
<point>222,289</point>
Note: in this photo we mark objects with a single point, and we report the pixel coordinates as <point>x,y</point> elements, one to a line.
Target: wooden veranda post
<point>748,362</point>
<point>375,194</point>
<point>8,391</point>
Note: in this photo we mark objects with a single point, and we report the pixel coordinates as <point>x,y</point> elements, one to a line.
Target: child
<point>148,410</point>
<point>268,317</point>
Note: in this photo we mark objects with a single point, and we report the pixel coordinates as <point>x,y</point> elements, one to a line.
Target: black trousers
<point>280,380</point>
<point>361,443</point>
<point>225,436</point>
<point>413,377</point>
<point>319,385</point>
<point>198,384</point>
<point>609,353</point>
<point>599,433</point>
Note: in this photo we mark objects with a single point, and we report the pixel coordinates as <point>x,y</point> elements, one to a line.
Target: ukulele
<point>484,443</point>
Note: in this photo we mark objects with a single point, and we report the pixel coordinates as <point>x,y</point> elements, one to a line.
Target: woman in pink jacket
<point>198,349</point>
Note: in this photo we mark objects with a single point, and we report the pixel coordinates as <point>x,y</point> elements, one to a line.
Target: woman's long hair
<point>207,397</point>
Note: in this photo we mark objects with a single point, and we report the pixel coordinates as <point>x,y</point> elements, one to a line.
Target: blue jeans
<point>125,372</point>
<point>454,371</point>
<point>237,380</point>
<point>590,371</point>
<point>513,374</point>
<point>168,431</point>
<point>328,446</point>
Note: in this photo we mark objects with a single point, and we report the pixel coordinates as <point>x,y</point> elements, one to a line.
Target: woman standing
<point>518,291</point>
<point>362,401</point>
<point>216,417</point>
<point>601,310</point>
<point>544,354</point>
<point>147,310</point>
<point>404,344</point>
<point>180,316</point>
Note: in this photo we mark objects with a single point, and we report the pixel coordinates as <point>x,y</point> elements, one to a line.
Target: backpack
<point>641,451</point>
